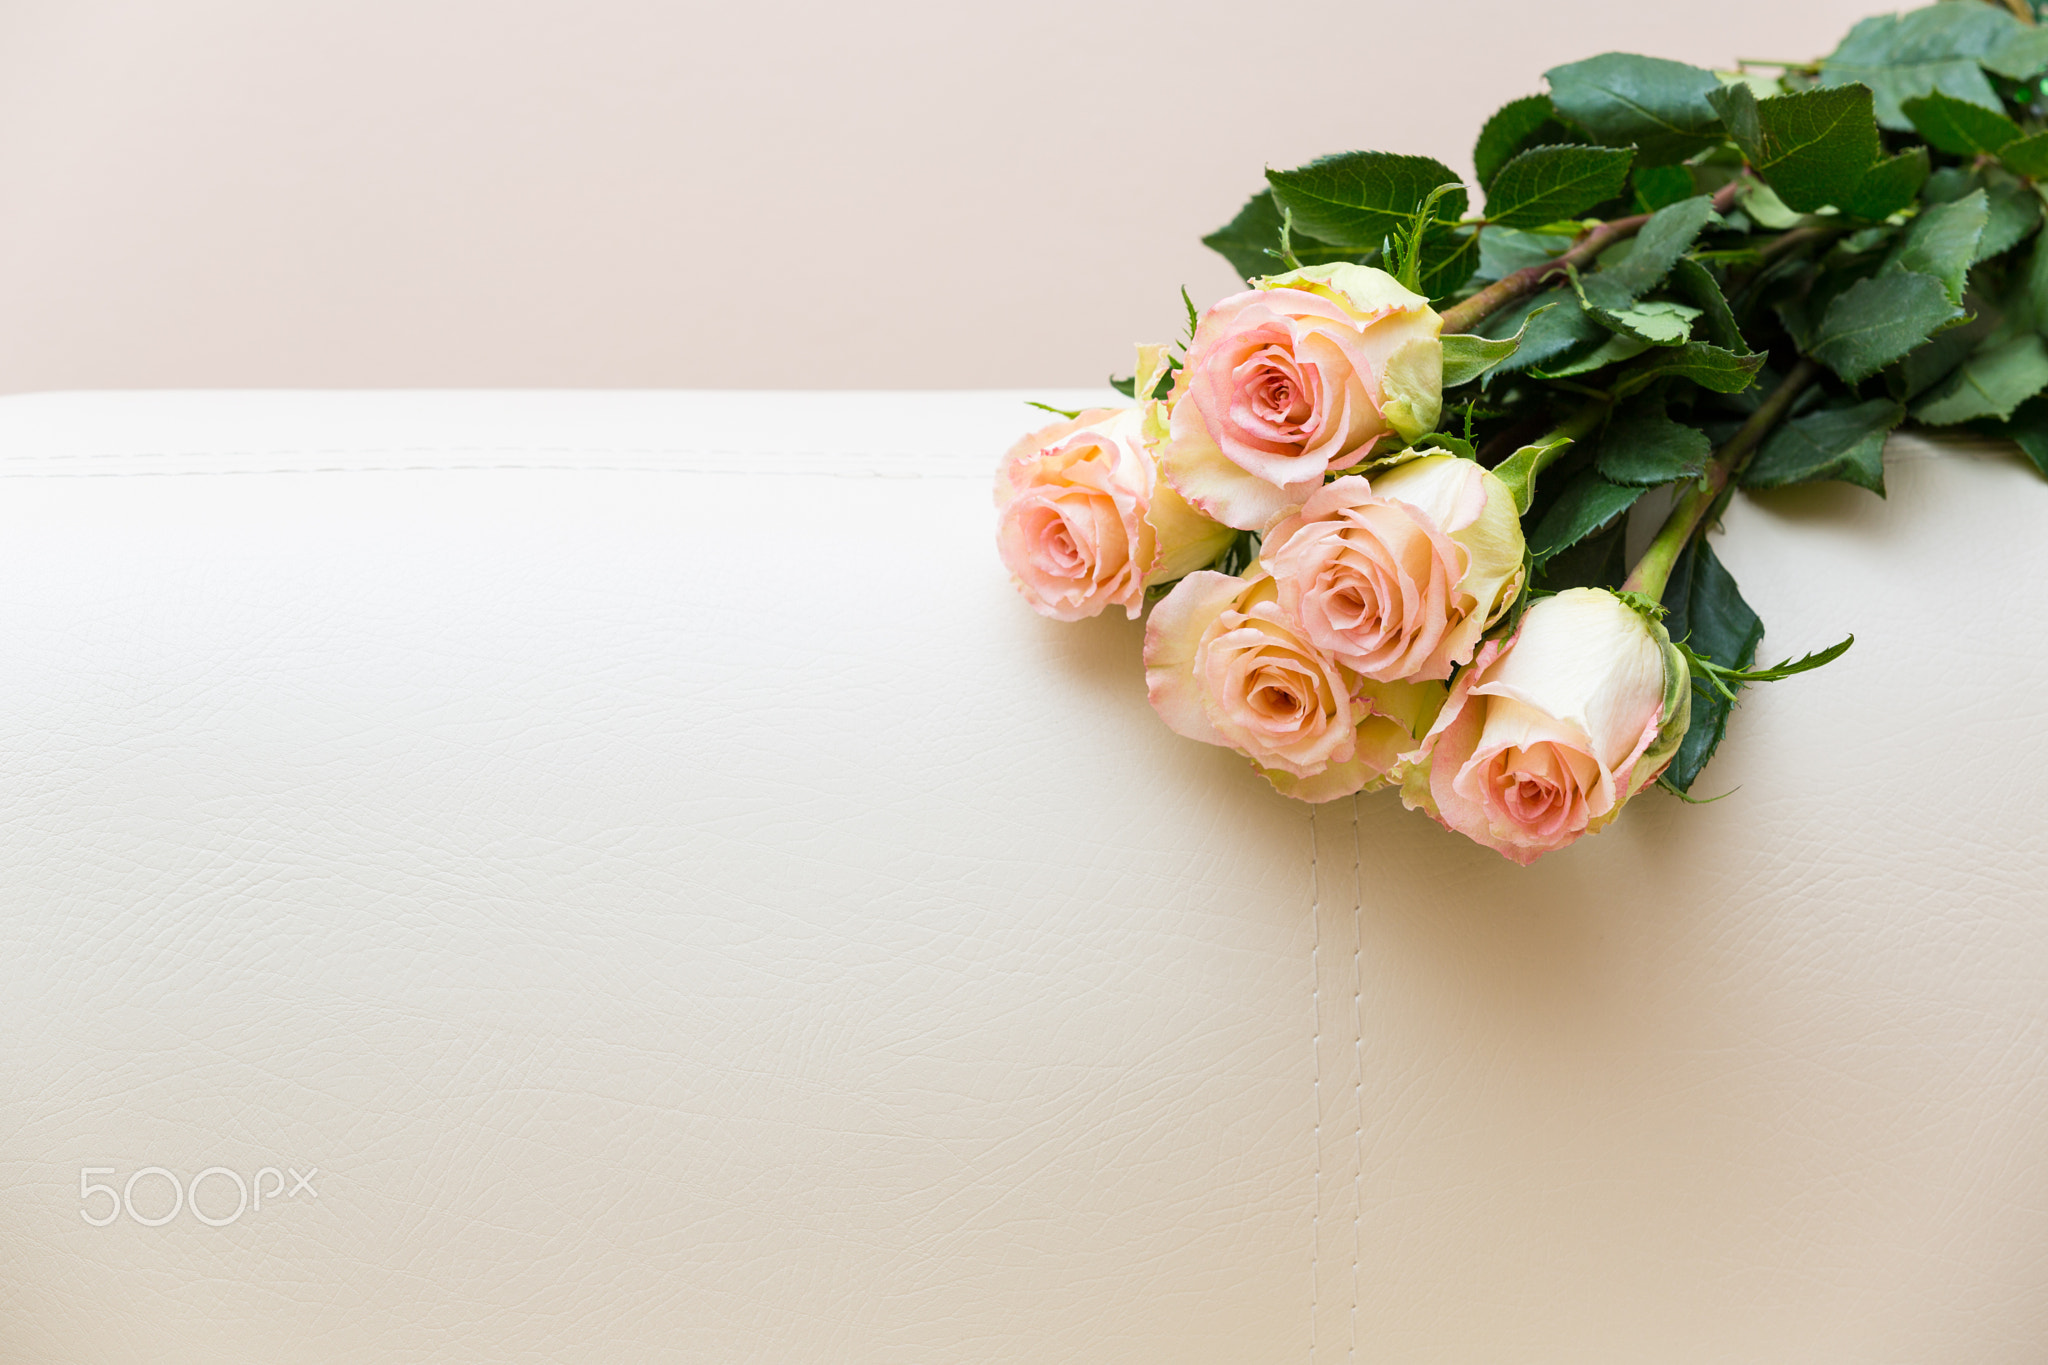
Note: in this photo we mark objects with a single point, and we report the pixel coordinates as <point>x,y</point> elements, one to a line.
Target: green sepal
<point>1071,413</point>
<point>1466,357</point>
<point>1724,681</point>
<point>1519,470</point>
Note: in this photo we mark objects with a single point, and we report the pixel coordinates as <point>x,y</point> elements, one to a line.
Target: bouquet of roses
<point>1378,501</point>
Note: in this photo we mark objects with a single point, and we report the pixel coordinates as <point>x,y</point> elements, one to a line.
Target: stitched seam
<point>1315,945</point>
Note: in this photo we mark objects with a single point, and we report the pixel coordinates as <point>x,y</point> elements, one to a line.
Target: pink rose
<point>1224,665</point>
<point>1302,375</point>
<point>1397,578</point>
<point>1085,522</point>
<point>1546,736</point>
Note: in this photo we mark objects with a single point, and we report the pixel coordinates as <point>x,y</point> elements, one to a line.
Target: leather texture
<point>638,854</point>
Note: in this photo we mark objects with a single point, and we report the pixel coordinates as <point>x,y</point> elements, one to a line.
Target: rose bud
<point>1397,578</point>
<point>1225,665</point>
<point>1545,736</point>
<point>1084,521</point>
<point>1301,375</point>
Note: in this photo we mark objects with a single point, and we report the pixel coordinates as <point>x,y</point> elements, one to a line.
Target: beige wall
<point>639,192</point>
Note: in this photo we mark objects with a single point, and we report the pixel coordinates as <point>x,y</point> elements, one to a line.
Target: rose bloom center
<point>1278,697</point>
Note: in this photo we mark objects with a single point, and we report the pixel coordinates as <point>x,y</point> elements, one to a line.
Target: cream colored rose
<point>1397,578</point>
<point>1084,522</point>
<point>1224,665</point>
<point>1299,376</point>
<point>1547,735</point>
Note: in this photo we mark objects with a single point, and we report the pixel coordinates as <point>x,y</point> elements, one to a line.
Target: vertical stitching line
<point>1315,947</point>
<point>1357,1068</point>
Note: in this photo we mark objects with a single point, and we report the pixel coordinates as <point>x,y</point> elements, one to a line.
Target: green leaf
<point>1466,357</point>
<point>2035,285</point>
<point>1550,184</point>
<point>1449,256</point>
<point>2029,429</point>
<point>1991,383</point>
<point>1834,443</point>
<point>1557,326</point>
<point>1765,208</point>
<point>1644,447</point>
<point>1598,561</point>
<point>1660,106</point>
<point>1707,613</point>
<point>1618,347</point>
<point>1942,242</point>
<point>1710,367</point>
<point>1625,277</point>
<point>1657,321</point>
<point>2015,213</point>
<point>1939,357</point>
<point>1359,199</point>
<point>1903,56</point>
<point>2029,155</point>
<point>1586,504</point>
<point>2022,55</point>
<point>1657,186</point>
<point>1948,184</point>
<point>1251,241</point>
<point>1888,186</point>
<point>1127,386</point>
<point>1503,251</point>
<point>1526,122</point>
<point>1812,148</point>
<point>1875,321</point>
<point>1959,127</point>
<point>1695,284</point>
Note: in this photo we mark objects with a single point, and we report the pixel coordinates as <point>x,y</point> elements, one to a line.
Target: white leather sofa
<point>574,877</point>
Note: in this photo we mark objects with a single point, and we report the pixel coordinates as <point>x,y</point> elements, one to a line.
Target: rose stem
<point>1463,317</point>
<point>1654,568</point>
